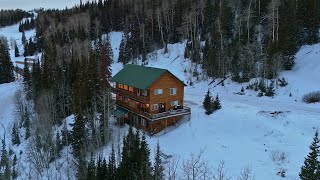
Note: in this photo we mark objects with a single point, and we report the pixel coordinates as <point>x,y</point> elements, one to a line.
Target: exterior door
<point>162,107</point>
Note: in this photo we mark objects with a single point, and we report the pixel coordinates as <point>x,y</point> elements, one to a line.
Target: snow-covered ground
<point>243,133</point>
<point>36,4</point>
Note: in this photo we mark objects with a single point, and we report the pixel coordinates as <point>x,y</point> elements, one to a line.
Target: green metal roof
<point>119,112</point>
<point>138,76</point>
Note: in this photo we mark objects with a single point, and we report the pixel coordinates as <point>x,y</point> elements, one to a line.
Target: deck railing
<point>131,95</point>
<point>153,117</point>
<point>178,112</point>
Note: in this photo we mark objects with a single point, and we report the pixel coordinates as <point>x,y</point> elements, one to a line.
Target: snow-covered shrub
<point>312,97</point>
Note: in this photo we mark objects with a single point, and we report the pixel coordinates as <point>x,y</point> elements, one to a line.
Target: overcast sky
<point>32,4</point>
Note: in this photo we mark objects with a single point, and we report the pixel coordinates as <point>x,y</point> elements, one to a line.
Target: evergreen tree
<point>23,39</point>
<point>270,90</point>
<point>78,134</point>
<point>58,144</point>
<point>207,103</point>
<point>26,123</point>
<point>111,172</point>
<point>15,135</point>
<point>16,50</point>
<point>216,104</point>
<point>91,175</point>
<point>145,164</point>
<point>158,172</point>
<point>14,173</point>
<point>6,67</point>
<point>101,171</point>
<point>311,168</point>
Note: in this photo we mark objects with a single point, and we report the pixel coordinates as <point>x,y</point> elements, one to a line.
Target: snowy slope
<point>244,133</point>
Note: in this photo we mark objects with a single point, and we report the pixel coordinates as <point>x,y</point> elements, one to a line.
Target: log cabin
<point>148,98</point>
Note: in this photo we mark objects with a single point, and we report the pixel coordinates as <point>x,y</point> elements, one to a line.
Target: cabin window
<point>155,107</point>
<point>135,118</point>
<point>130,89</point>
<point>138,91</point>
<point>144,92</point>
<point>174,103</point>
<point>158,91</point>
<point>125,87</point>
<point>173,91</point>
<point>119,97</point>
<point>121,86</point>
<point>125,99</point>
<point>143,122</point>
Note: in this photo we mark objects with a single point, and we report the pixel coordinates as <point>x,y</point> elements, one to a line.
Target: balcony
<point>172,113</point>
<point>131,95</point>
<point>153,117</point>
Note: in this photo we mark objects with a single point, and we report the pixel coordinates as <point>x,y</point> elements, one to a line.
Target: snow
<point>36,4</point>
<point>243,133</point>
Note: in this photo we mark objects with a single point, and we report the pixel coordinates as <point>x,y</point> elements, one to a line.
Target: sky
<point>32,4</point>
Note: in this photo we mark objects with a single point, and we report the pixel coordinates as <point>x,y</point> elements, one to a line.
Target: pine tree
<point>26,123</point>
<point>14,173</point>
<point>58,144</point>
<point>23,39</point>
<point>6,67</point>
<point>145,164</point>
<point>207,103</point>
<point>91,175</point>
<point>158,173</point>
<point>111,172</point>
<point>16,50</point>
<point>78,135</point>
<point>270,90</point>
<point>15,135</point>
<point>311,168</point>
<point>216,103</point>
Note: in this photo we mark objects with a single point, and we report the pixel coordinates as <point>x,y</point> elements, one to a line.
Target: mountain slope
<point>245,132</point>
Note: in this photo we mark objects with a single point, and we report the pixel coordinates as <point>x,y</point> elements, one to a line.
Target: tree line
<point>10,17</point>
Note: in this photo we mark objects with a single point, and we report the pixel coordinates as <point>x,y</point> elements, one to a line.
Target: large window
<point>125,87</point>
<point>130,89</point>
<point>121,86</point>
<point>158,91</point>
<point>173,91</point>
<point>174,103</point>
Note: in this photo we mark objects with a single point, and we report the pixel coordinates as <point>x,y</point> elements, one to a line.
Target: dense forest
<point>240,39</point>
<point>10,17</point>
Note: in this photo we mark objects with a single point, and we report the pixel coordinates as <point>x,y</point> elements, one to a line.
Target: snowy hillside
<point>245,132</point>
<point>36,4</point>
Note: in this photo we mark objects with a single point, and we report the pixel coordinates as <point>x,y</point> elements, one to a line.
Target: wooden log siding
<point>165,82</point>
<point>154,121</point>
<point>131,95</point>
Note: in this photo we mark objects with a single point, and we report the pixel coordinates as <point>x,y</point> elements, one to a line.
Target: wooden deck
<point>154,117</point>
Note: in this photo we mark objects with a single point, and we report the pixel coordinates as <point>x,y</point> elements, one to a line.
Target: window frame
<point>153,107</point>
<point>174,91</point>
<point>157,91</point>
<point>143,122</point>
